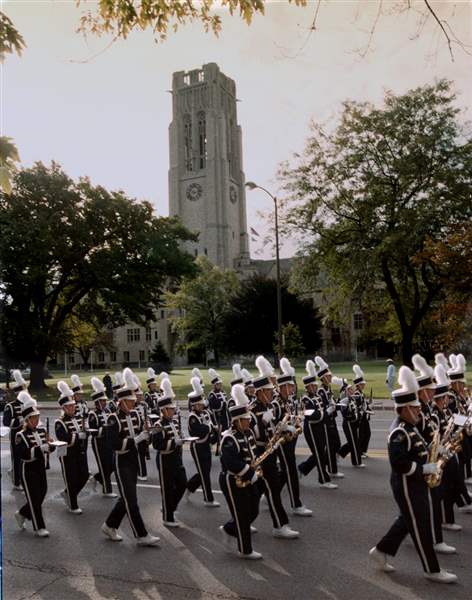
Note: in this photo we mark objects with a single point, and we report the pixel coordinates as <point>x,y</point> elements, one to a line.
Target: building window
<point>336,336</point>
<point>133,335</point>
<point>113,356</point>
<point>156,335</point>
<point>205,251</point>
<point>101,357</point>
<point>126,356</point>
<point>141,355</point>
<point>358,321</point>
<point>196,252</point>
<point>188,142</point>
<point>162,314</point>
<point>71,358</point>
<point>148,334</point>
<point>233,234</point>
<point>201,76</point>
<point>202,140</point>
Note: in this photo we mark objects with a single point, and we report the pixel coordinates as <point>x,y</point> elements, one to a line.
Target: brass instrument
<point>451,441</point>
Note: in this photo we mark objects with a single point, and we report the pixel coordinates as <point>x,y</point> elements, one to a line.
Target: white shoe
<point>171,523</point>
<point>17,488</point>
<point>65,497</point>
<point>253,529</point>
<point>361,466</point>
<point>109,495</point>
<point>441,577</point>
<point>452,527</point>
<point>111,533</point>
<point>42,533</point>
<point>443,548</point>
<point>381,559</point>
<point>468,480</point>
<point>212,504</point>
<point>20,519</point>
<point>337,475</point>
<point>285,532</point>
<point>142,478</point>
<point>329,486</point>
<point>148,540</point>
<point>252,556</point>
<point>188,495</point>
<point>465,509</point>
<point>302,511</point>
<point>226,539</point>
<point>364,455</point>
<point>75,511</point>
<point>94,482</point>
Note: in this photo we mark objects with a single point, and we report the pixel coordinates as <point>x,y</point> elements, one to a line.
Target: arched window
<point>202,140</point>
<point>188,142</point>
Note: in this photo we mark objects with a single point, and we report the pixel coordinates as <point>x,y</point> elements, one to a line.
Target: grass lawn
<point>374,373</point>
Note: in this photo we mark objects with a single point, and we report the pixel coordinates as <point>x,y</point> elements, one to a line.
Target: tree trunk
<point>407,347</point>
<point>37,382</point>
<point>217,356</point>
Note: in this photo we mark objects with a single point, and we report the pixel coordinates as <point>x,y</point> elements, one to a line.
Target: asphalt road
<point>329,561</point>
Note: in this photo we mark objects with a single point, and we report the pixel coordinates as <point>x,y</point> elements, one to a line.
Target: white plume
<point>238,395</point>
<point>196,373</point>
<point>75,380</point>
<point>264,366</point>
<point>310,368</point>
<point>285,366</point>
<point>119,378</point>
<point>197,386</point>
<point>128,378</point>
<point>453,361</point>
<point>246,375</point>
<point>24,396</point>
<point>358,372</point>
<point>166,387</point>
<point>97,384</point>
<point>421,365</point>
<point>18,377</point>
<point>163,375</point>
<point>151,374</point>
<point>440,359</point>
<point>407,379</point>
<point>339,381</point>
<point>440,375</point>
<point>237,374</point>
<point>137,382</point>
<point>65,390</point>
<point>461,363</point>
<point>212,374</point>
<point>321,363</point>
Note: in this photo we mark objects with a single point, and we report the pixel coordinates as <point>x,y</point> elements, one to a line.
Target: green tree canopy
<point>201,304</point>
<point>67,245</point>
<point>369,194</point>
<point>252,319</point>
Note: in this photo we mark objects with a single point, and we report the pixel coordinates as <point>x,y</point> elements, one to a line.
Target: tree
<point>368,195</point>
<point>67,247</point>
<point>160,359</point>
<point>201,304</point>
<point>8,158</point>
<point>11,40</point>
<point>251,322</point>
<point>293,342</point>
<point>86,335</point>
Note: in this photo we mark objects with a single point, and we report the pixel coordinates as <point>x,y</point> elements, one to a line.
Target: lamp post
<point>253,186</point>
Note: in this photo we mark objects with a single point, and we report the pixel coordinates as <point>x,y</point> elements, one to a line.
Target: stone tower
<point>206,179</point>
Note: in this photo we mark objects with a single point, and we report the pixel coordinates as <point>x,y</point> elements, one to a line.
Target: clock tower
<point>206,179</point>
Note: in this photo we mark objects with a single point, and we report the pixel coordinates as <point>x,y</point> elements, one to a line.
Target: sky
<point>104,111</point>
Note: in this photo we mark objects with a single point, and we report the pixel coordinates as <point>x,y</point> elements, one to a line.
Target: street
<point>329,561</point>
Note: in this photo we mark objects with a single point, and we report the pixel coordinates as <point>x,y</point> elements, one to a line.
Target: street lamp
<point>253,186</point>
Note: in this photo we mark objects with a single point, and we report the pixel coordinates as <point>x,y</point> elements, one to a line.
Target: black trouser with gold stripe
<point>412,496</point>
<point>75,473</point>
<point>15,459</point>
<point>201,454</point>
<point>33,479</point>
<point>315,437</point>
<point>173,480</point>
<point>288,464</point>
<point>269,484</point>
<point>104,457</point>
<point>351,431</point>
<point>243,504</point>
<point>126,472</point>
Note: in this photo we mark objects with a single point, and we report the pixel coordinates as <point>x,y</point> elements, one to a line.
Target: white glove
<point>179,442</point>
<point>45,447</point>
<point>430,469</point>
<point>291,429</point>
<point>254,479</point>
<point>331,409</point>
<point>267,416</point>
<point>82,435</point>
<point>144,435</point>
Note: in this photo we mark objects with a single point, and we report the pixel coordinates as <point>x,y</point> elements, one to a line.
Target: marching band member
<point>32,446</point>
<point>218,404</point>
<point>460,403</point>
<point>248,385</point>
<point>263,426</point>
<point>113,404</point>
<point>151,397</point>
<point>350,414</point>
<point>238,453</point>
<point>81,408</point>
<point>286,452</point>
<point>408,456</point>
<point>71,429</point>
<point>364,412</point>
<point>97,423</point>
<point>143,447</point>
<point>201,426</point>
<point>125,431</point>
<point>168,442</point>
<point>332,442</point>
<point>13,419</point>
<point>427,427</point>
<point>313,429</point>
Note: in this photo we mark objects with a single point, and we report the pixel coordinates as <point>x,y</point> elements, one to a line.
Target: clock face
<point>194,191</point>
<point>233,195</point>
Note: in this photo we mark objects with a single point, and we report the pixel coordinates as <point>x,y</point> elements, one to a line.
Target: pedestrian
<point>390,379</point>
<point>108,383</point>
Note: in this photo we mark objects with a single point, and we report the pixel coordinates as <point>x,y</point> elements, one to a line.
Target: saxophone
<point>451,443</point>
